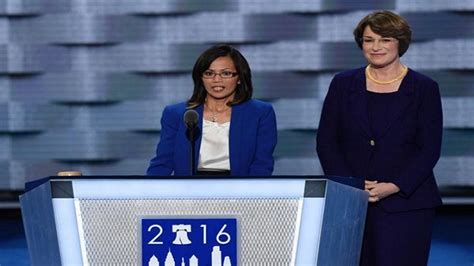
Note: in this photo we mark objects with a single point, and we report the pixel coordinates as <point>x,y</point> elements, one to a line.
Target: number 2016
<point>222,237</point>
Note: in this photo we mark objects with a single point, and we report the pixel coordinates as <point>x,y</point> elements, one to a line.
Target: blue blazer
<point>252,139</point>
<point>406,151</point>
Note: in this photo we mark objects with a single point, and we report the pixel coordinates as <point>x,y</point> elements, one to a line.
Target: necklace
<point>215,114</point>
<point>399,77</point>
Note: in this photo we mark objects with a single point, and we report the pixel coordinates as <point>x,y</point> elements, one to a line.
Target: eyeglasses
<point>386,41</point>
<point>224,74</point>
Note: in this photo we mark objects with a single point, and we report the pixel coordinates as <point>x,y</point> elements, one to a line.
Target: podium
<point>132,220</point>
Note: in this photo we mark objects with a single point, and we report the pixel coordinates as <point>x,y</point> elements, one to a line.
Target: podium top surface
<point>350,181</point>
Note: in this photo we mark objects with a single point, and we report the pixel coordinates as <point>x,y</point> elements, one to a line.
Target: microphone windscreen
<point>191,118</point>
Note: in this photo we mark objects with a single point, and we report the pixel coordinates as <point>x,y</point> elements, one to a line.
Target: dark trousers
<point>398,239</point>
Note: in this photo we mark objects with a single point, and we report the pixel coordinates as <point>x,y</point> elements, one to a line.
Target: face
<point>221,87</point>
<point>379,51</point>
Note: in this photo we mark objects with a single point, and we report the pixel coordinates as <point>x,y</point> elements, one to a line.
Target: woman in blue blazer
<point>383,123</point>
<point>237,134</point>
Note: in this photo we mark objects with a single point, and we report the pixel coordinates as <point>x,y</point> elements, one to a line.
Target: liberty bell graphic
<point>181,231</point>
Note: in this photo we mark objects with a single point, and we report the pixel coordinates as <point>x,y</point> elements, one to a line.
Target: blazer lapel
<point>235,135</point>
<point>402,100</point>
<point>358,101</point>
<point>197,147</point>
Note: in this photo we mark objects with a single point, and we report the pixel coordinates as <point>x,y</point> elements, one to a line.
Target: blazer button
<point>372,142</point>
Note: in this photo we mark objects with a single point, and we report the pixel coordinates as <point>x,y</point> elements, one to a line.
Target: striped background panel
<point>83,82</point>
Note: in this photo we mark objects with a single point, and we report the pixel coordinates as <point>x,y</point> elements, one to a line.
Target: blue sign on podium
<point>189,241</point>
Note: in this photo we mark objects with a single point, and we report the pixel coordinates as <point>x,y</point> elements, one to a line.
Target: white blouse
<point>214,152</point>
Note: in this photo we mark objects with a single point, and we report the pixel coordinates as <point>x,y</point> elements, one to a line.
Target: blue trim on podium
<point>40,227</point>
<point>344,216</point>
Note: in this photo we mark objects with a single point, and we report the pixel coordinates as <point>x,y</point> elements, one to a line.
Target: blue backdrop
<point>83,82</point>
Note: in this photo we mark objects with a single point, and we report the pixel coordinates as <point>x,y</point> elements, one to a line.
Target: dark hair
<point>244,90</point>
<point>386,24</point>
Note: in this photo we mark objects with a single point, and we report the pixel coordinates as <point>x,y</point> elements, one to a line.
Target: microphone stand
<point>192,133</point>
<point>191,120</point>
<point>193,156</point>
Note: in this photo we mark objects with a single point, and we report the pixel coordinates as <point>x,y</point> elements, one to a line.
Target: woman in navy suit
<point>238,134</point>
<point>383,123</point>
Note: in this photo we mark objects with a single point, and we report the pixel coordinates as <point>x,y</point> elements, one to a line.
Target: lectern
<point>139,220</point>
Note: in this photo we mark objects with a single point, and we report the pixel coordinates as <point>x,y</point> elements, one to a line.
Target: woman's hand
<point>378,191</point>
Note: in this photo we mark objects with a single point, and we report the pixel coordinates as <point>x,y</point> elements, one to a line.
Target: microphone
<point>191,118</point>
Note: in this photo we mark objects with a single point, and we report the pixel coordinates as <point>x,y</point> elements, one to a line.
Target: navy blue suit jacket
<point>406,151</point>
<point>252,139</point>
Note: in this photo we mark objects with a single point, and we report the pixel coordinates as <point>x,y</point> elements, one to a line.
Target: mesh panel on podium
<point>110,227</point>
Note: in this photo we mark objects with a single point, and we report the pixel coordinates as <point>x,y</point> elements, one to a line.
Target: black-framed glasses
<point>224,74</point>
